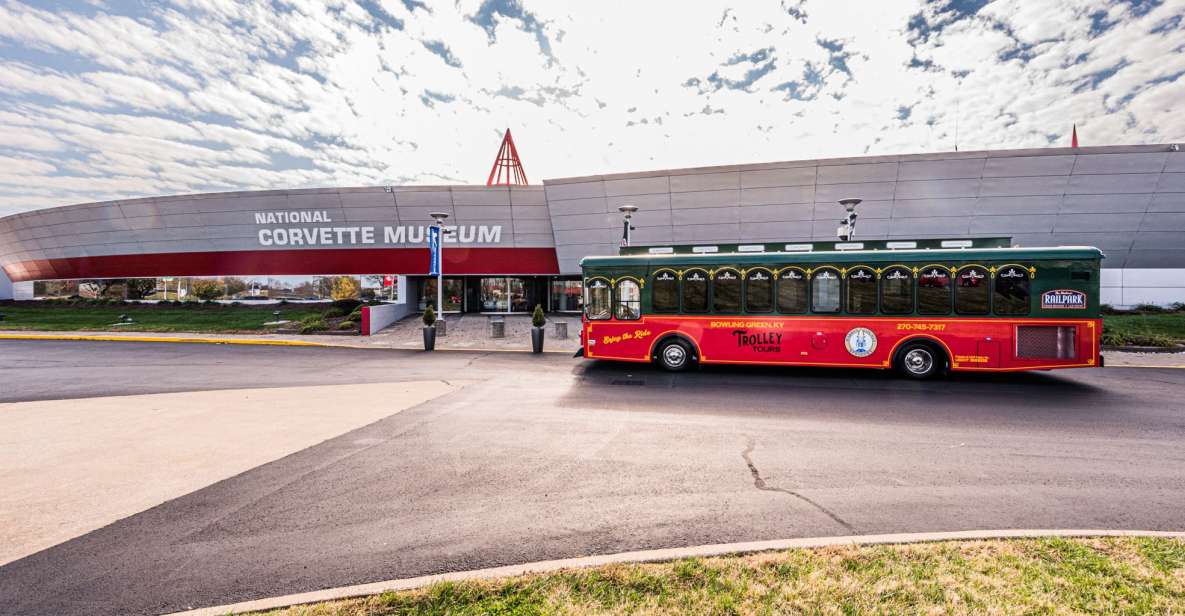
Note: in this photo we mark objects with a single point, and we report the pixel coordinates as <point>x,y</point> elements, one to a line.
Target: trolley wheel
<point>920,360</point>
<point>673,355</point>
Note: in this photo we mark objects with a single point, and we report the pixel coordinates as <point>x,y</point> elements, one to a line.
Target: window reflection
<point>934,291</point>
<point>897,291</point>
<point>972,291</point>
<point>566,295</point>
<point>825,291</point>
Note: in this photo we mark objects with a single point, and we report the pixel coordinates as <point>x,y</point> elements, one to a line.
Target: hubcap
<point>674,355</point>
<point>918,361</point>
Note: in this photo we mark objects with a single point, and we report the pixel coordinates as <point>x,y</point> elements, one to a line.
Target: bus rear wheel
<point>920,360</point>
<point>673,355</point>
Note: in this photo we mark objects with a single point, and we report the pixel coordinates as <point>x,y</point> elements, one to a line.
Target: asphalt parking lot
<point>551,457</point>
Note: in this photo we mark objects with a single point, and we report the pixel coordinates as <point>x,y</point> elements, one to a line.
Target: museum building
<point>512,247</point>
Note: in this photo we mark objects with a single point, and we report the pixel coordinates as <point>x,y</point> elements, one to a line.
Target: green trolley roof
<point>1076,253</point>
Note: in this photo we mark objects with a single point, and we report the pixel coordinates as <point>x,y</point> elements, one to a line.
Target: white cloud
<point>199,95</point>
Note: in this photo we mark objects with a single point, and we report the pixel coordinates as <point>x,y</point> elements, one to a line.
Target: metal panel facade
<point>1128,200</point>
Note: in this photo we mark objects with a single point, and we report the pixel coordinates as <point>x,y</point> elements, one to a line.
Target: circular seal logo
<point>860,341</point>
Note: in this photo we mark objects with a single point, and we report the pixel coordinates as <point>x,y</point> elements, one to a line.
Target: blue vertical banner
<point>434,250</point>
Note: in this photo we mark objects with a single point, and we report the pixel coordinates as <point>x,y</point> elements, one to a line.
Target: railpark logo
<point>1063,298</point>
<point>324,234</point>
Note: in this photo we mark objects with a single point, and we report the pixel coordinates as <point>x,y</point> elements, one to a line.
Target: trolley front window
<point>825,291</point>
<point>629,300</point>
<point>597,299</point>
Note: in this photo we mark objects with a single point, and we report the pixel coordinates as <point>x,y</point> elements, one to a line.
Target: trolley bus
<point>920,307</point>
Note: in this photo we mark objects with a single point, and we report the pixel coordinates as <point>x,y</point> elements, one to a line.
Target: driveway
<point>540,458</point>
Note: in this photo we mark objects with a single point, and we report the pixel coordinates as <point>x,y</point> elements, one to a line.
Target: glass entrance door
<point>504,295</point>
<point>454,294</point>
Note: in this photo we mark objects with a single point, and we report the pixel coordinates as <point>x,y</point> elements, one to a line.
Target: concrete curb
<point>201,340</point>
<point>246,341</point>
<point>644,556</point>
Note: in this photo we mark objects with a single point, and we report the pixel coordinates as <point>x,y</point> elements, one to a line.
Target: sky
<point>107,99</point>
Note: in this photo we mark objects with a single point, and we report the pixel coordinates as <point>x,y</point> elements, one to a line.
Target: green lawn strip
<point>149,317</point>
<point>1139,329</point>
<point>1034,576</point>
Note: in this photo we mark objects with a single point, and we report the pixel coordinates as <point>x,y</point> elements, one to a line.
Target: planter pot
<point>429,338</point>
<point>536,339</point>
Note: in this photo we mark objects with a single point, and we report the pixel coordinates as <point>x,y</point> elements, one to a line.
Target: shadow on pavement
<point>838,393</point>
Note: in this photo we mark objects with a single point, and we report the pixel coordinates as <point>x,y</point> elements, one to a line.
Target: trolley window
<point>861,291</point>
<point>695,291</point>
<point>664,292</point>
<point>825,286</point>
<point>629,300</point>
<point>1012,290</point>
<point>596,299</point>
<point>726,291</point>
<point>934,291</point>
<point>897,290</point>
<point>759,291</point>
<point>791,291</point>
<point>971,291</point>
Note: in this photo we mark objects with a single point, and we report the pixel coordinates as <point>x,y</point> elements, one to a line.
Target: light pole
<point>847,226</point>
<point>627,211</point>
<point>440,217</point>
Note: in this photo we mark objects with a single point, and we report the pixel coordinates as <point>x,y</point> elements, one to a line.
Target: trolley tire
<point>674,355</point>
<point>920,361</point>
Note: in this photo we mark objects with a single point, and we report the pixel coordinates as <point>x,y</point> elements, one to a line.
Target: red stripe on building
<point>457,261</point>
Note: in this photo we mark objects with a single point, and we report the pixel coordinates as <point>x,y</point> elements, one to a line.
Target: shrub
<point>429,316</point>
<point>1149,309</point>
<point>205,288</point>
<point>1109,309</point>
<point>537,318</point>
<point>334,312</point>
<point>312,326</point>
<point>1177,307</point>
<point>355,316</point>
<point>1111,338</point>
<point>346,325</point>
<point>346,305</point>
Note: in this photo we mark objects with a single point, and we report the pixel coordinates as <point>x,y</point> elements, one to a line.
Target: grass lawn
<point>148,317</point>
<point>1042,576</point>
<point>1169,325</point>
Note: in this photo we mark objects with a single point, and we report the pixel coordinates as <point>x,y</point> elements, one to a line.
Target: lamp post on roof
<point>627,211</point>
<point>439,218</point>
<point>847,225</point>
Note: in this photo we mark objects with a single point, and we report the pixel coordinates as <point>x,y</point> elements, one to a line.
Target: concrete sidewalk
<point>71,466</point>
<point>463,332</point>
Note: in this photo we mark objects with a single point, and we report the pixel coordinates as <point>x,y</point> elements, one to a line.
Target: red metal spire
<point>1074,136</point>
<point>507,163</point>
